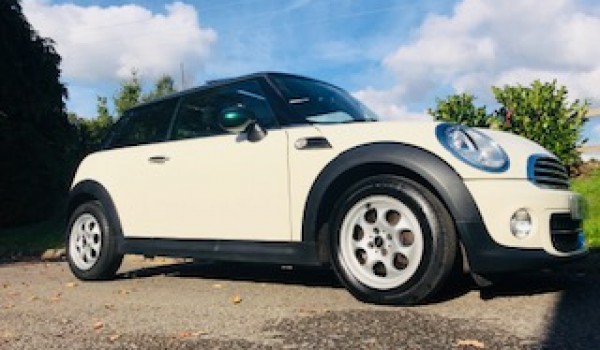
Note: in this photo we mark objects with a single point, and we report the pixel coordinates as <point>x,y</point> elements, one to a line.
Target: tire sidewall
<point>108,257</point>
<point>410,194</point>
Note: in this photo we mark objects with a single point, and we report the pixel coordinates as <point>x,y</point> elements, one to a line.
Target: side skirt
<point>294,253</point>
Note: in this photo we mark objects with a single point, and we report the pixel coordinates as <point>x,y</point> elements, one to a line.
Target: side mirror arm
<point>255,132</point>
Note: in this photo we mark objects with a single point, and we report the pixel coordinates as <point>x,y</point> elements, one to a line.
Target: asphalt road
<point>230,306</point>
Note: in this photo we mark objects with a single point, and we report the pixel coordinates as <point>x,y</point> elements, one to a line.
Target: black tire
<point>104,259</point>
<point>432,248</point>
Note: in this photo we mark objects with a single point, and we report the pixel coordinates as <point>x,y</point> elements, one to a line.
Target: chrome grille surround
<point>547,172</point>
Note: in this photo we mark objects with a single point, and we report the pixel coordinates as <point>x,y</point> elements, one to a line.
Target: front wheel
<point>392,241</point>
<point>92,249</point>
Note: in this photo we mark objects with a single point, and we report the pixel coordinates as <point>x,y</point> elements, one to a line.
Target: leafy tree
<point>129,94</point>
<point>37,143</point>
<point>540,112</point>
<point>460,109</point>
<point>93,131</point>
<point>165,85</point>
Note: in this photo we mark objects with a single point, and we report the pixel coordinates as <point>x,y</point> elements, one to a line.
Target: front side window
<point>143,125</point>
<point>316,102</point>
<point>199,112</point>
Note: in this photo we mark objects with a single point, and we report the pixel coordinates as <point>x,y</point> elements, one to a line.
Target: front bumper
<point>555,236</point>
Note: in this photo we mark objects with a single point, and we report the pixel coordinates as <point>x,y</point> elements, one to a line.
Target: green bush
<point>542,113</point>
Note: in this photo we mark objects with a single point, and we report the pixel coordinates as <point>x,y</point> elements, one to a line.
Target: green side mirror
<point>235,119</point>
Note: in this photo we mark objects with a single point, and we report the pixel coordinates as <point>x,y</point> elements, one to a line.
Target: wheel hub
<point>390,254</point>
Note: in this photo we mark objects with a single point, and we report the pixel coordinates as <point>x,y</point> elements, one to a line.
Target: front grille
<point>565,232</point>
<point>547,172</point>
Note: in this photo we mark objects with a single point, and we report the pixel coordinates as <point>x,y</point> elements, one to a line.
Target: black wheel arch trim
<point>432,170</point>
<point>90,189</point>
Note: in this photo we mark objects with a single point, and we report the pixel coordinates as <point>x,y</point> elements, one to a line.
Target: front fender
<point>428,169</point>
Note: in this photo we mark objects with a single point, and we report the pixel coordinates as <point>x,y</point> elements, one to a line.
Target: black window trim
<point>281,110</point>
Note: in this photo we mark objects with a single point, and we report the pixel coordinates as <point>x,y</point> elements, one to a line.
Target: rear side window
<point>144,125</point>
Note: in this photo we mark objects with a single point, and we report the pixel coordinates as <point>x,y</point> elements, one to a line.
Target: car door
<point>206,183</point>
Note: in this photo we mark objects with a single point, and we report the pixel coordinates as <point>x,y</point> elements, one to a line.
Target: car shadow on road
<point>575,321</point>
<point>254,272</point>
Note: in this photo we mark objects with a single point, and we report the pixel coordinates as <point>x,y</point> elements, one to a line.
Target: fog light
<point>520,223</point>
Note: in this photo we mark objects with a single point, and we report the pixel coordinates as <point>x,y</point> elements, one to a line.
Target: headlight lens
<point>473,147</point>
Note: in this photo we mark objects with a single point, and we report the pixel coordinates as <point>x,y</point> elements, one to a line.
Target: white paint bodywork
<point>224,187</point>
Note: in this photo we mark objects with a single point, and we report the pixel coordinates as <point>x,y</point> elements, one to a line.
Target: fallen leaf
<point>5,285</point>
<point>123,291</point>
<point>217,286</point>
<point>236,299</point>
<point>5,337</point>
<point>71,284</point>
<point>98,325</point>
<point>35,297</point>
<point>114,337</point>
<point>109,306</point>
<point>183,335</point>
<point>471,342</point>
<point>188,334</point>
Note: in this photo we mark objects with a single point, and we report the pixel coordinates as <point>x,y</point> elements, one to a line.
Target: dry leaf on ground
<point>98,325</point>
<point>56,297</point>
<point>236,299</point>
<point>471,342</point>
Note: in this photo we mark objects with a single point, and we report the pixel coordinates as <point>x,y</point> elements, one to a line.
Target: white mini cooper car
<point>279,168</point>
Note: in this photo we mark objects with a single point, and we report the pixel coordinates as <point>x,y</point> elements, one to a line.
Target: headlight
<point>473,147</point>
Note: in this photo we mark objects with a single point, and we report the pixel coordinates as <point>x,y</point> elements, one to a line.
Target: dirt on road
<point>231,306</point>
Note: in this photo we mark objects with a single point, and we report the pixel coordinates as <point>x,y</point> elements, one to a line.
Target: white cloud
<point>496,42</point>
<point>385,105</point>
<point>99,44</point>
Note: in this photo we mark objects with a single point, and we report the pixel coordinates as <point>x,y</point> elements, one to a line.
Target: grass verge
<point>33,238</point>
<point>589,187</point>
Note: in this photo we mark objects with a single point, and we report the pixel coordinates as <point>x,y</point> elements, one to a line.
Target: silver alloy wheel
<point>381,242</point>
<point>85,241</point>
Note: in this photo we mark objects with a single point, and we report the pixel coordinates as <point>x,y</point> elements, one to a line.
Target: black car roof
<point>210,84</point>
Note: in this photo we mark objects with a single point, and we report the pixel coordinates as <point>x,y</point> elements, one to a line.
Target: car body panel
<point>195,194</point>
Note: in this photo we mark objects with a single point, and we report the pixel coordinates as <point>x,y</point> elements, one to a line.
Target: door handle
<point>305,143</point>
<point>158,159</point>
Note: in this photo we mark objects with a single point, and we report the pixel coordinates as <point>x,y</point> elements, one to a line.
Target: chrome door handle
<point>158,159</point>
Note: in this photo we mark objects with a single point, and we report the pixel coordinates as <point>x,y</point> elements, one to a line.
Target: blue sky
<point>396,56</point>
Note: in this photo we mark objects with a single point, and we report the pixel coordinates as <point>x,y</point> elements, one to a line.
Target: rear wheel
<point>92,249</point>
<point>392,241</point>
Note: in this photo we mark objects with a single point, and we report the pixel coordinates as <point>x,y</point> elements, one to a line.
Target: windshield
<point>317,102</point>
